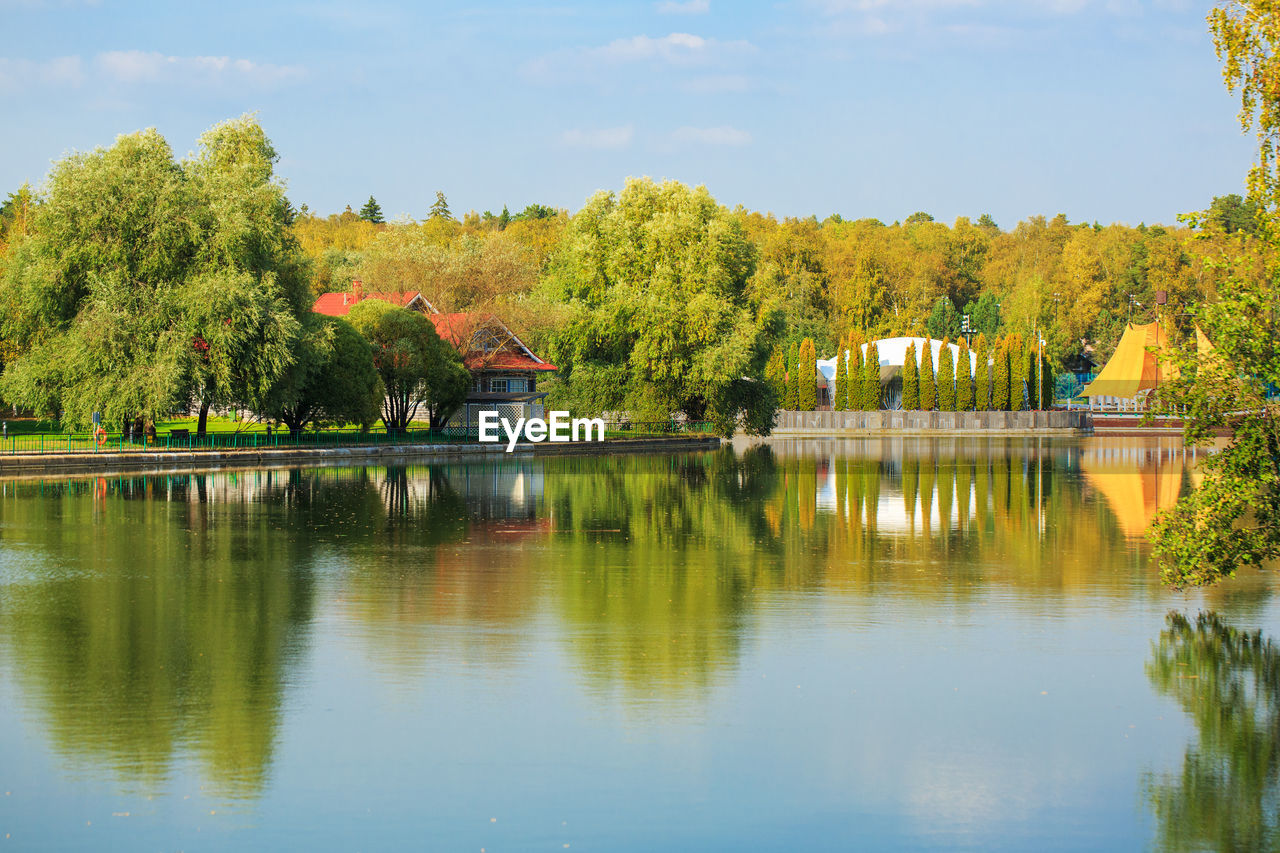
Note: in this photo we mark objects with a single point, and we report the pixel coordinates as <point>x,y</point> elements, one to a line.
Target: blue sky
<point>1108,110</point>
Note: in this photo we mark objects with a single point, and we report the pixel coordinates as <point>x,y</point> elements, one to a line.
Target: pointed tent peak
<point>1136,364</point>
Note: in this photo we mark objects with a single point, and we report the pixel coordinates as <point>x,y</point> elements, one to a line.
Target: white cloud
<point>600,138</point>
<point>136,66</point>
<point>689,7</point>
<point>674,49</point>
<point>18,74</point>
<point>716,84</point>
<point>723,135</point>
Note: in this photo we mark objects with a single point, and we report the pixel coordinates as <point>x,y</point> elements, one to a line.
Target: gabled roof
<point>455,327</point>
<point>340,304</point>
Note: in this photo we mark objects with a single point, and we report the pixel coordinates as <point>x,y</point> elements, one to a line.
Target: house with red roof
<point>504,372</point>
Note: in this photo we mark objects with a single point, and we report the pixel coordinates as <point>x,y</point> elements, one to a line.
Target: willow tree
<point>910,379</point>
<point>1232,519</point>
<point>148,283</point>
<point>659,318</point>
<point>333,378</point>
<point>964,378</point>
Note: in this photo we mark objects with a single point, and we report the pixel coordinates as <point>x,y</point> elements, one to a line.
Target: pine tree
<point>440,210</point>
<point>792,400</point>
<point>910,379</point>
<point>372,212</point>
<point>808,387</point>
<point>982,376</point>
<point>964,379</point>
<point>946,378</point>
<point>841,401</point>
<point>871,379</point>
<point>928,381</point>
<point>1000,381</point>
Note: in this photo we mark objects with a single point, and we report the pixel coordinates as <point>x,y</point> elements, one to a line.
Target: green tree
<point>1000,380</point>
<point>148,283</point>
<point>1232,519</point>
<point>871,379</point>
<point>658,318</point>
<point>775,373</point>
<point>984,314</point>
<point>792,400</point>
<point>417,368</point>
<point>440,209</point>
<point>1018,371</point>
<point>372,212</point>
<point>841,401</point>
<point>964,378</point>
<point>928,380</point>
<point>910,379</point>
<point>332,379</point>
<point>946,378</point>
<point>1232,213</point>
<point>808,387</point>
<point>854,383</point>
<point>982,376</point>
<point>944,320</point>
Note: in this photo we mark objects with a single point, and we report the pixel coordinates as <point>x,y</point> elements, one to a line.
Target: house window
<point>498,385</point>
<point>477,385</point>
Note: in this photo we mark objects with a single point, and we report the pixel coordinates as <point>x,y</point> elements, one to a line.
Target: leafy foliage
<point>910,379</point>
<point>964,378</point>
<point>982,376</point>
<point>928,379</point>
<point>946,378</point>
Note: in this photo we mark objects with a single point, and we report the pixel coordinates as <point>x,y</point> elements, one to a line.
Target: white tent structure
<point>893,354</point>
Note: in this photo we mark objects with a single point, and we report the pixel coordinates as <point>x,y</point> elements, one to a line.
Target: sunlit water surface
<point>810,645</point>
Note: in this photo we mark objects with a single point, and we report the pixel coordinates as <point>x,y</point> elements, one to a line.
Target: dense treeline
<point>192,289</point>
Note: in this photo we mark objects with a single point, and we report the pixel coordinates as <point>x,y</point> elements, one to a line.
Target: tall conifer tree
<point>910,379</point>
<point>1000,380</point>
<point>928,381</point>
<point>871,379</point>
<point>982,376</point>
<point>946,378</point>
<point>841,400</point>
<point>964,378</point>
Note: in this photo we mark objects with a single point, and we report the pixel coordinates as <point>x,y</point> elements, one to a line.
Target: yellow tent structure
<point>1135,367</point>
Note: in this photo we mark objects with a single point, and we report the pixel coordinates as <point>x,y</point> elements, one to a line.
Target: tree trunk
<point>203,422</point>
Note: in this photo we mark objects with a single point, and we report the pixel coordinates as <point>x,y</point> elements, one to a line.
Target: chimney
<point>357,290</point>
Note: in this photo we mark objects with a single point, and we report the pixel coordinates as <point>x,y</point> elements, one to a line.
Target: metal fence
<point>185,440</point>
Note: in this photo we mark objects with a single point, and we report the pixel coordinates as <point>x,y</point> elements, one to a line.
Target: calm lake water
<point>807,645</point>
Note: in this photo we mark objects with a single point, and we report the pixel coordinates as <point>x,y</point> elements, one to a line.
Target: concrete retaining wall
<point>789,423</point>
<point>171,461</point>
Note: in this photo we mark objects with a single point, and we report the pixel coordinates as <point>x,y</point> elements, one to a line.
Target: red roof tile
<point>340,304</point>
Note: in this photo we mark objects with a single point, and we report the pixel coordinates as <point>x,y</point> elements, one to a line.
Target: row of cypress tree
<point>1005,379</point>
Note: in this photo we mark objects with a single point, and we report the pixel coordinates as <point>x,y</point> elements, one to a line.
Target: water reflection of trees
<point>1226,796</point>
<point>152,616</point>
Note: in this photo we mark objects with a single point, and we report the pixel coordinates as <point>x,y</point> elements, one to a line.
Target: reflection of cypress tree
<point>982,493</point>
<point>1226,796</point>
<point>910,487</point>
<point>964,484</point>
<point>927,477</point>
<point>946,490</point>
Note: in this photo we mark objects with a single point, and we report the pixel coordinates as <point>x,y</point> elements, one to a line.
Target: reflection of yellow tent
<point>1135,495</point>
